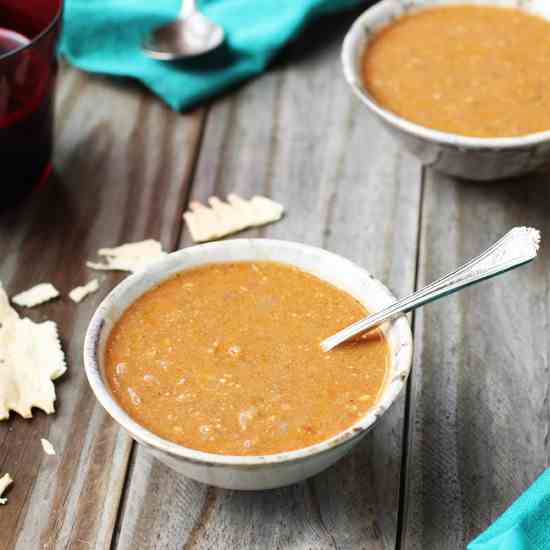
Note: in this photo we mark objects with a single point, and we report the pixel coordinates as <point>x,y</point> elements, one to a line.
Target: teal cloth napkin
<point>525,525</point>
<point>103,36</point>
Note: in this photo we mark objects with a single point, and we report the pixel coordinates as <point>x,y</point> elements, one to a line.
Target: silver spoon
<point>519,246</point>
<point>190,35</point>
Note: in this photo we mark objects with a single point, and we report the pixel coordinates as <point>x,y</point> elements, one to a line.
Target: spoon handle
<point>517,247</point>
<point>188,8</point>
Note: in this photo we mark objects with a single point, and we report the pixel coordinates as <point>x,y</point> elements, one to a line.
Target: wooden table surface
<point>467,437</point>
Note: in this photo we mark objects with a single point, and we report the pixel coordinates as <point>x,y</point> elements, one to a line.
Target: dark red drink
<point>28,66</point>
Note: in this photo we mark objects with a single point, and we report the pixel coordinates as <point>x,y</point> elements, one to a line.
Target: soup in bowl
<point>211,359</point>
<point>462,85</point>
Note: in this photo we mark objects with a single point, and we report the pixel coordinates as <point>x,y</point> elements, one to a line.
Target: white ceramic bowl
<point>249,472</point>
<point>466,157</point>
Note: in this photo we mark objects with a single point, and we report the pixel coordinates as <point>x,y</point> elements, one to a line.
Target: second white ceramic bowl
<point>472,158</point>
<point>249,472</point>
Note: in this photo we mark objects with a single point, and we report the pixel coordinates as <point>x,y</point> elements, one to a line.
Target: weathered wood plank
<point>297,135</point>
<point>123,163</point>
<point>480,412</point>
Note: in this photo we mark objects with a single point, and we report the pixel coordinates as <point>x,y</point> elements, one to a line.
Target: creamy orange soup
<point>226,359</point>
<point>470,70</point>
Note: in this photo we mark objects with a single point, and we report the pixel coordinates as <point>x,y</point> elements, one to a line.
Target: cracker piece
<point>80,292</point>
<point>36,295</point>
<point>30,358</point>
<point>47,446</point>
<point>5,481</point>
<point>225,218</point>
<point>129,257</point>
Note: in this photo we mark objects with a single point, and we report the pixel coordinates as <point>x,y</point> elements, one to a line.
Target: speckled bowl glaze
<point>480,159</point>
<point>249,472</point>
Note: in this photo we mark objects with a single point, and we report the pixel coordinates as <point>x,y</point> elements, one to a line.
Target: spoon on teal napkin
<point>190,35</point>
<point>105,37</point>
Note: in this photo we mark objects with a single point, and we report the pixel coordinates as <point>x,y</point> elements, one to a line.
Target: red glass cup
<point>29,30</point>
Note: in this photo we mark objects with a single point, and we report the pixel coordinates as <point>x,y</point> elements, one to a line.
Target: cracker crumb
<point>48,447</point>
<point>5,481</point>
<point>36,295</point>
<point>80,292</point>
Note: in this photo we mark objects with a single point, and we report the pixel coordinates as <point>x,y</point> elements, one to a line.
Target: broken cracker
<point>36,295</point>
<point>80,292</point>
<point>47,446</point>
<point>129,257</point>
<point>30,359</point>
<point>5,481</point>
<point>225,218</point>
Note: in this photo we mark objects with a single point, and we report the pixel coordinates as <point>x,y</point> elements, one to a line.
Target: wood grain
<point>480,414</point>
<point>297,135</point>
<point>123,163</point>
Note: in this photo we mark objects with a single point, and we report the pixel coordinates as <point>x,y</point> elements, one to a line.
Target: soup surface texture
<point>225,358</point>
<point>471,70</point>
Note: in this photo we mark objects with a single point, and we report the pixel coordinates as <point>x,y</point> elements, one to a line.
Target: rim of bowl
<point>38,37</point>
<point>402,362</point>
<point>372,16</point>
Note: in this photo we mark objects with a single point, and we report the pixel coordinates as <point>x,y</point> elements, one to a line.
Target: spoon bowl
<point>190,35</point>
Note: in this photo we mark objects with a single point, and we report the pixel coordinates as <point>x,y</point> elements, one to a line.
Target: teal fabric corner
<point>104,36</point>
<point>525,525</point>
